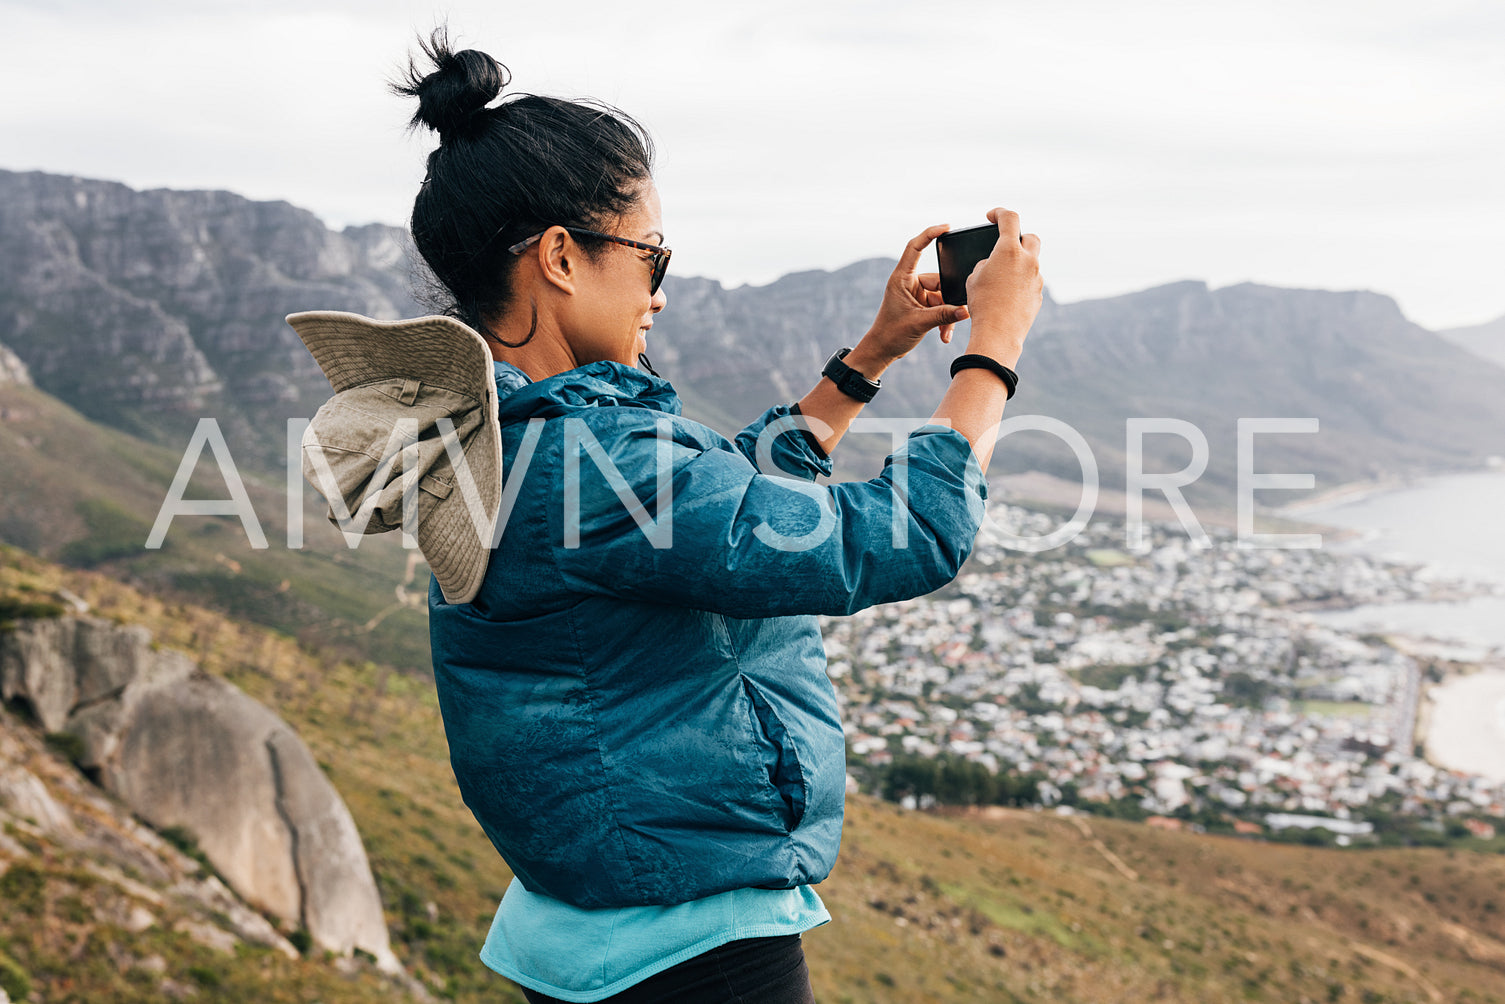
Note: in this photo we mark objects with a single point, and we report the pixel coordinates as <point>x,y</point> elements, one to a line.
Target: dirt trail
<point>404,598</point>
<point>1102,848</point>
<point>1404,968</point>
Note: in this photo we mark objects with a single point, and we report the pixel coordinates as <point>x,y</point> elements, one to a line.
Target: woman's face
<point>615,310</point>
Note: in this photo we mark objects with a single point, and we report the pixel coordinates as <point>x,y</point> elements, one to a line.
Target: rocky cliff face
<point>740,350</point>
<point>1390,396</point>
<point>149,309</point>
<point>183,749</point>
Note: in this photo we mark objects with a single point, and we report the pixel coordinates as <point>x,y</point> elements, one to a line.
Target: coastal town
<point>1189,685</point>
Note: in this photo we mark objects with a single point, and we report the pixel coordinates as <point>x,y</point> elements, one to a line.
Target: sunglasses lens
<point>660,266</point>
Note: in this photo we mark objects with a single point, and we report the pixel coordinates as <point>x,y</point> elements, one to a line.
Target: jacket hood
<point>596,385</point>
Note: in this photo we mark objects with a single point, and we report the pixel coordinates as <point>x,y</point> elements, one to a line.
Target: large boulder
<point>62,664</point>
<point>184,749</point>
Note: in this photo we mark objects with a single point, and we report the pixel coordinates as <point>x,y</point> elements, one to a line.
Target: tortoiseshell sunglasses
<point>660,254</point>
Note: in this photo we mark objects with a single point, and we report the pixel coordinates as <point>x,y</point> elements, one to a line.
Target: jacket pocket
<point>780,758</point>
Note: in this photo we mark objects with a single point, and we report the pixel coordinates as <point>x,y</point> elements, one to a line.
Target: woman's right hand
<point>1004,291</point>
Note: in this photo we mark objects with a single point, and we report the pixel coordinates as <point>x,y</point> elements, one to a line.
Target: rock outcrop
<point>147,309</point>
<point>12,369</point>
<point>41,800</point>
<point>1390,396</point>
<point>183,749</point>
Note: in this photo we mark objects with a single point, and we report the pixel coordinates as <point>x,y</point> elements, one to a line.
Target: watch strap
<point>849,381</point>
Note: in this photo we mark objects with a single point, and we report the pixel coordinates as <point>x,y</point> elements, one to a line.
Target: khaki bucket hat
<point>410,439</point>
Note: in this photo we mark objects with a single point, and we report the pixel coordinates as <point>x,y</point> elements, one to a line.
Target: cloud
<point>1281,142</point>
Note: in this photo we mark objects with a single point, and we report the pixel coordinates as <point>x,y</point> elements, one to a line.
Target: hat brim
<point>354,351</point>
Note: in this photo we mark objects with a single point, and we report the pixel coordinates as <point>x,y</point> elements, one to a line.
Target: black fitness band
<point>976,362</point>
<point>849,381</point>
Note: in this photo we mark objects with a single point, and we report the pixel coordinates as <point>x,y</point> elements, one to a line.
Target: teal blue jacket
<point>636,701</point>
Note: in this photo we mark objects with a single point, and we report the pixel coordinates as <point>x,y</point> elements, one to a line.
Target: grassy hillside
<point>1010,906</point>
<point>102,914</point>
<point>86,495</point>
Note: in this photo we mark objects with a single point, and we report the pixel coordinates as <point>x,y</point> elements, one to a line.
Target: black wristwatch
<point>849,381</point>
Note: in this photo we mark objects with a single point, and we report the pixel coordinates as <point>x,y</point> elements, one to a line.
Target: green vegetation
<point>112,533</point>
<point>184,840</point>
<point>950,780</point>
<point>13,979</point>
<point>18,607</point>
<point>22,889</point>
<point>1347,709</point>
<point>66,745</point>
<point>1244,691</point>
<point>971,903</point>
<point>88,496</point>
<point>301,940</point>
<point>954,780</point>
<point>1107,676</point>
<point>1015,915</point>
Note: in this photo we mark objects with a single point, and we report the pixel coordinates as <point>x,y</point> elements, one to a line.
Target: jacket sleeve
<point>775,444</point>
<point>671,519</point>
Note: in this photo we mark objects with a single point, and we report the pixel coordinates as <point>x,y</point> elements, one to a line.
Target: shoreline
<point>1352,491</point>
<point>1466,722</point>
<point>1358,491</point>
<point>1038,489</point>
<point>1460,720</point>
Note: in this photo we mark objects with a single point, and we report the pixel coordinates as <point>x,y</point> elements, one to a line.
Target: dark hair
<point>503,173</point>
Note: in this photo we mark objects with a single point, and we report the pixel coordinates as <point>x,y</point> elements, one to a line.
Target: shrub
<point>205,976</point>
<point>113,533</point>
<point>14,609</point>
<point>22,888</point>
<point>66,745</point>
<point>301,940</point>
<point>13,979</point>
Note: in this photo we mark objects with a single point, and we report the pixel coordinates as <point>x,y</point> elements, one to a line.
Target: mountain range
<point>126,317</point>
<point>1485,340</point>
<point>146,310</point>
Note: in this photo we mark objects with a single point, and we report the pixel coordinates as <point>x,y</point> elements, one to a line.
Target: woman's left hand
<point>911,305</point>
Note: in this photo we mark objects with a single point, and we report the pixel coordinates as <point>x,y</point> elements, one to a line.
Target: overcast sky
<point>1313,144</point>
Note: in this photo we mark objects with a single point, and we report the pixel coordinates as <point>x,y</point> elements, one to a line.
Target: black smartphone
<point>957,252</point>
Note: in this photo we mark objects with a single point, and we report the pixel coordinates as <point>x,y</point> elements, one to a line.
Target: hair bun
<point>461,85</point>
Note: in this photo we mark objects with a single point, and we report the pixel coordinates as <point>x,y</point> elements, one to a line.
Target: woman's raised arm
<point>1004,292</point>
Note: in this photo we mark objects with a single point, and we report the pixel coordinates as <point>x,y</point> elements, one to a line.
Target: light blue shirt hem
<point>653,969</point>
<point>588,955</point>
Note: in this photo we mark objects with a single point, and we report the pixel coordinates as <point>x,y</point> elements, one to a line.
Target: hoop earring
<point>532,329</point>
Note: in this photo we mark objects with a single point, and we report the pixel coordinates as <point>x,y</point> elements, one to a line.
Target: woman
<point>632,680</point>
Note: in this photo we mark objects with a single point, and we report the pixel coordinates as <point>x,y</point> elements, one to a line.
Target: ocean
<point>1453,527</point>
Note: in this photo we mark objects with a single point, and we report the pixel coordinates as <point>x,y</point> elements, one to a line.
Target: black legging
<point>751,971</point>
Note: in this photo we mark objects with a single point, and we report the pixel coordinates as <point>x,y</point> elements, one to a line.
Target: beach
<point>1468,723</point>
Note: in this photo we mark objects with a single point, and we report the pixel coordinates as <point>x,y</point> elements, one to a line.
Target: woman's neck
<point>533,344</point>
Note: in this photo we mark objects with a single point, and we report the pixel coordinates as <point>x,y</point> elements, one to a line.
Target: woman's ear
<point>558,256</point>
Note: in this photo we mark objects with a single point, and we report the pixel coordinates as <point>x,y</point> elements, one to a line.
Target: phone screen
<point>957,253</point>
